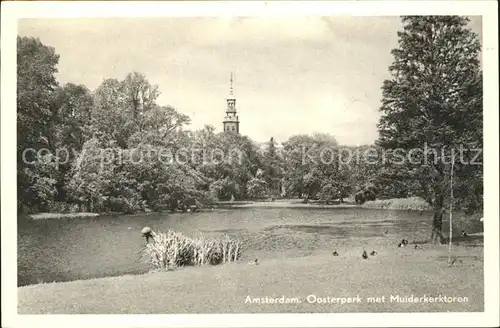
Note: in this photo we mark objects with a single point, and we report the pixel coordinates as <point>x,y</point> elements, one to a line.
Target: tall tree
<point>123,108</point>
<point>140,96</point>
<point>36,82</point>
<point>273,168</point>
<point>110,120</point>
<point>312,167</point>
<point>70,128</point>
<point>433,100</point>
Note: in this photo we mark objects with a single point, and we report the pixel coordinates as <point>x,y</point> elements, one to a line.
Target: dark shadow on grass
<point>421,241</point>
<point>469,241</point>
<point>462,257</point>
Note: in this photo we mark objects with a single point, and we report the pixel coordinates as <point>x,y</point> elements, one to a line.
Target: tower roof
<point>231,91</point>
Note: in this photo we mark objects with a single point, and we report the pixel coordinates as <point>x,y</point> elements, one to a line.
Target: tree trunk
<point>438,203</point>
<point>437,227</point>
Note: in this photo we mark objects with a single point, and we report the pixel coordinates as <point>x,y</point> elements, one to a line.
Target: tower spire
<point>231,84</point>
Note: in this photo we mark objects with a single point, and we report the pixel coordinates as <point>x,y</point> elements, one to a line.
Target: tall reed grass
<point>172,249</point>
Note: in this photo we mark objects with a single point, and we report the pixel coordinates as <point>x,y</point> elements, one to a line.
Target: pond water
<point>83,248</point>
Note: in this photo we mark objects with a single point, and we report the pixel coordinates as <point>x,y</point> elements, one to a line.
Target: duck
<point>403,243</point>
<point>254,262</point>
<point>418,246</point>
<point>364,255</point>
<point>373,253</point>
<point>335,253</point>
<point>464,234</point>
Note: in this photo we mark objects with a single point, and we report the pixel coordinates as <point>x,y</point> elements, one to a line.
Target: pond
<point>83,248</point>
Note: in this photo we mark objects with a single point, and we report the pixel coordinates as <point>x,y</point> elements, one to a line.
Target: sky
<point>292,75</point>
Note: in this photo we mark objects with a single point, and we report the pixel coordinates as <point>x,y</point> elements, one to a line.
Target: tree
<point>257,187</point>
<point>313,168</point>
<point>36,82</point>
<point>72,114</point>
<point>70,127</point>
<point>433,101</point>
<point>111,122</point>
<point>161,126</point>
<point>296,164</point>
<point>231,161</point>
<point>124,108</point>
<point>273,170</point>
<point>140,96</point>
<point>91,178</point>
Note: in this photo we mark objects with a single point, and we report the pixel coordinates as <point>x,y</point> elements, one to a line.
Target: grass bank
<point>411,204</point>
<point>242,288</point>
<point>44,216</point>
<point>280,203</point>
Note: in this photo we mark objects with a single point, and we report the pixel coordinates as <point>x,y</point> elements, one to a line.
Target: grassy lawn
<point>224,289</point>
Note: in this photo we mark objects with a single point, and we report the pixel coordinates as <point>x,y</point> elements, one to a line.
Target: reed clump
<point>173,249</point>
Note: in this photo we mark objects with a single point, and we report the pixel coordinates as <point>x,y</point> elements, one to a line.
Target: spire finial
<point>231,84</point>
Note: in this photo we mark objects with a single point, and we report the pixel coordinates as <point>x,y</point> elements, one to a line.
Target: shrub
<point>173,249</point>
<point>368,193</point>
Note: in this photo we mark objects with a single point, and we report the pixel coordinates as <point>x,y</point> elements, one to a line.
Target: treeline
<point>116,149</point>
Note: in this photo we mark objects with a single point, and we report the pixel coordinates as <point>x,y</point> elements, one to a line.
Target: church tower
<point>231,122</point>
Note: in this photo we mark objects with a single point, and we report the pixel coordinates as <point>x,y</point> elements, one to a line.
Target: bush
<point>171,249</point>
<point>367,194</point>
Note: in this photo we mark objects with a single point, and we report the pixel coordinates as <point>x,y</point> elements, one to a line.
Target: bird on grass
<point>373,253</point>
<point>386,232</point>
<point>403,243</point>
<point>255,262</point>
<point>335,253</point>
<point>364,255</point>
